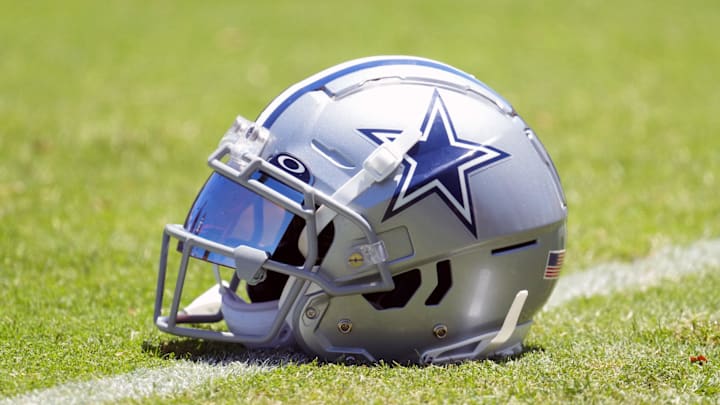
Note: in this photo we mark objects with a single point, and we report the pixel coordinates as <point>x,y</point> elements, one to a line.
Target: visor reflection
<point>228,213</point>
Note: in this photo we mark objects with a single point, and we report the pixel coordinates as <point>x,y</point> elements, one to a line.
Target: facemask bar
<point>240,147</point>
<point>170,323</point>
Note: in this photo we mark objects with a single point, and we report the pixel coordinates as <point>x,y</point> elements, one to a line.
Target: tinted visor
<point>228,213</point>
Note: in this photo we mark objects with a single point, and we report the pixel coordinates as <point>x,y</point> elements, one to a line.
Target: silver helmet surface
<point>388,208</point>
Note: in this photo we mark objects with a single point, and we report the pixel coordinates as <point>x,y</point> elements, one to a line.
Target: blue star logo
<point>439,164</point>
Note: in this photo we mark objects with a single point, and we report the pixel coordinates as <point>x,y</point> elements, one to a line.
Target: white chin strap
<point>380,164</point>
<point>254,319</point>
<point>207,303</point>
<point>241,317</point>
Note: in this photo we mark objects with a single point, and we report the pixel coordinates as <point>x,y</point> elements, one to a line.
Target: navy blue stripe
<point>316,85</point>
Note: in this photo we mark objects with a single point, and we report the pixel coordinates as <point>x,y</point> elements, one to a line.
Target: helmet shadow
<point>222,353</point>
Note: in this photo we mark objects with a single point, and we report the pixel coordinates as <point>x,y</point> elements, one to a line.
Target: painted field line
<point>670,263</point>
<point>142,383</point>
<point>181,376</point>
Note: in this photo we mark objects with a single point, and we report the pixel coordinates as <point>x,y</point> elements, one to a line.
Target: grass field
<point>108,111</point>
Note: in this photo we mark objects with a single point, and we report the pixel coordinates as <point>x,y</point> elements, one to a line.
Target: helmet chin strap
<point>380,164</point>
<point>256,319</point>
<point>241,317</point>
<point>209,302</point>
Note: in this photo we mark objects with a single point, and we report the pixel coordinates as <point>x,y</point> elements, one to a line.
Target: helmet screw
<point>344,326</point>
<point>311,313</point>
<point>440,331</point>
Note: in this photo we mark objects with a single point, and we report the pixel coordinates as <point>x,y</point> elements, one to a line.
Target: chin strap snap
<point>254,319</point>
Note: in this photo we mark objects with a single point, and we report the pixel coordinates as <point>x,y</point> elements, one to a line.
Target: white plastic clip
<point>508,326</point>
<point>380,164</point>
<point>480,346</point>
<point>244,137</point>
<point>373,253</point>
<point>248,264</point>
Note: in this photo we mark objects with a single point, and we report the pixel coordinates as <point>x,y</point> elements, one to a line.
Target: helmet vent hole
<point>444,283</point>
<point>512,248</point>
<point>405,286</point>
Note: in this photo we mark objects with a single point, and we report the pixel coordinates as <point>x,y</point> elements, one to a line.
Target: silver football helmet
<point>389,208</point>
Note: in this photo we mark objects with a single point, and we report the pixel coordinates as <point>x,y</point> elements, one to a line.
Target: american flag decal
<point>554,264</point>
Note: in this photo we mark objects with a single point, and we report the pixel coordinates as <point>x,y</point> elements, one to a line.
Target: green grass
<point>109,109</point>
<point>605,349</point>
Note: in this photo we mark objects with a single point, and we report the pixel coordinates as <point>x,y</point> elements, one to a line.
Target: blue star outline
<point>439,163</point>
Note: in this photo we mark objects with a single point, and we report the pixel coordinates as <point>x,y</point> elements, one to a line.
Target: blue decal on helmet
<point>439,164</point>
<point>293,166</point>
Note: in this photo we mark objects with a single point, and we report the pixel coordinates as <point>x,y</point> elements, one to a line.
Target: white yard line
<point>182,376</point>
<point>668,263</point>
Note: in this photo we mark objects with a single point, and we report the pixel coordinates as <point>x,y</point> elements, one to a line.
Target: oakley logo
<point>292,166</point>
